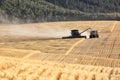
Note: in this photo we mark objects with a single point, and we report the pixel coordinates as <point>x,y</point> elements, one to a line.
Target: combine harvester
<point>76,34</point>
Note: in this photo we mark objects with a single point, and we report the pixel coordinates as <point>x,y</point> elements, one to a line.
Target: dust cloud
<point>87,34</point>
<point>26,31</point>
<point>41,32</point>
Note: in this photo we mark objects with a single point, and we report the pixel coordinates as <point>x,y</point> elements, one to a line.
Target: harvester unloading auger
<point>75,34</point>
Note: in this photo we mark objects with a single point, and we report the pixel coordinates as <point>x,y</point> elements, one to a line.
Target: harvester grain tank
<point>75,34</point>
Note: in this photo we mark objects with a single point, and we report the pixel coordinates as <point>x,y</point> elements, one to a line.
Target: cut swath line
<point>113,26</point>
<point>74,46</point>
<point>29,55</point>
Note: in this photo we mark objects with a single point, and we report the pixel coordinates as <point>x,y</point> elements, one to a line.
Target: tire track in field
<point>113,26</point>
<point>74,45</point>
<point>31,54</point>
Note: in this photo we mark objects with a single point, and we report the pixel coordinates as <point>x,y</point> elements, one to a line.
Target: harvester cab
<point>75,34</point>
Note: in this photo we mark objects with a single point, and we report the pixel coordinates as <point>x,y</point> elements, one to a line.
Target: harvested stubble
<point>58,46</point>
<point>18,53</point>
<point>17,69</point>
<point>76,59</point>
<point>106,46</point>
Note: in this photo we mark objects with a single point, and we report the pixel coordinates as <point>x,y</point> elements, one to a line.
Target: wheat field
<point>17,69</point>
<point>37,52</point>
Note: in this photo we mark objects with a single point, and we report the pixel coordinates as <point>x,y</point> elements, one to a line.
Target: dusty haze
<point>41,32</point>
<point>37,31</point>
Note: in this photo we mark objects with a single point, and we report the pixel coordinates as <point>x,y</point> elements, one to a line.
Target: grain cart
<point>94,34</point>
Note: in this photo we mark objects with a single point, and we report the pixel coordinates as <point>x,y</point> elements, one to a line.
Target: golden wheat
<point>11,68</point>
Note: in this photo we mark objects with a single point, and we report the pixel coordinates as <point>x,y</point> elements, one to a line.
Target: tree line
<point>59,10</point>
